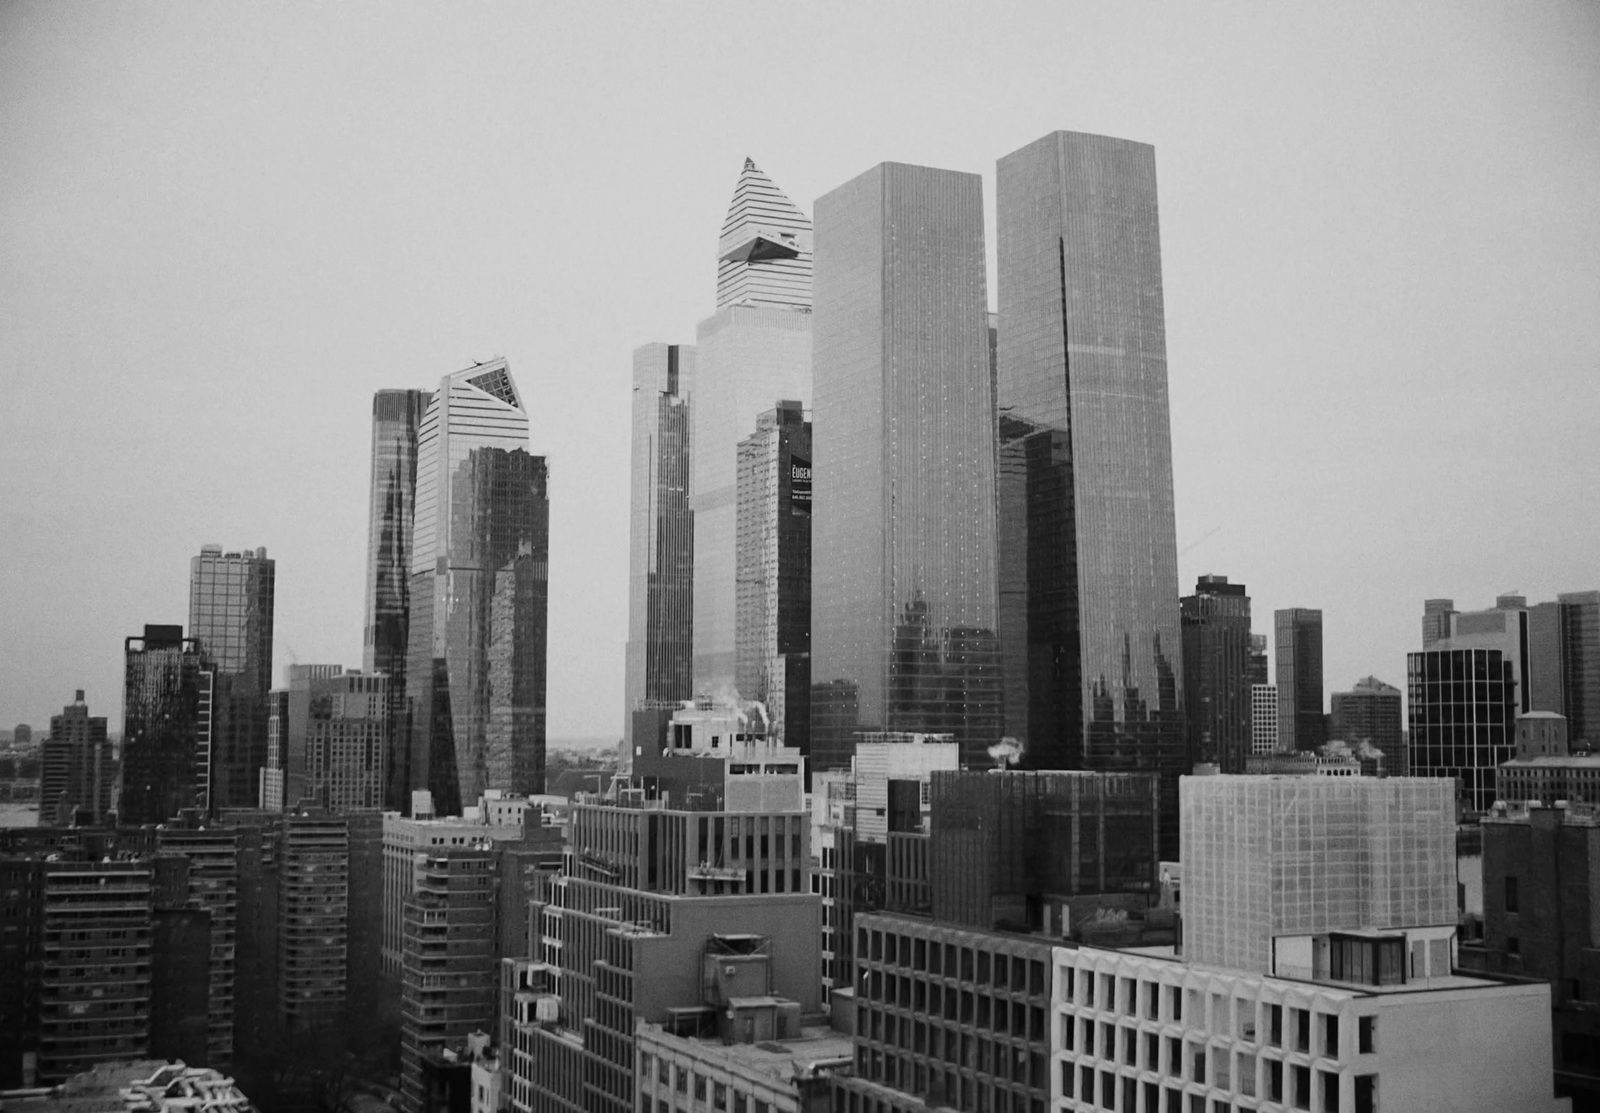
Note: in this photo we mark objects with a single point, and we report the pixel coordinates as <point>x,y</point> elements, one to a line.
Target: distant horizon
<point>224,229</point>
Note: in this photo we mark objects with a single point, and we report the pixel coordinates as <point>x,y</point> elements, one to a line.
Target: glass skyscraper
<point>755,350</point>
<point>904,580</point>
<point>230,615</point>
<point>660,532</point>
<point>1462,709</point>
<point>166,727</point>
<point>1216,672</point>
<point>1087,535</point>
<point>396,420</point>
<point>774,572</point>
<point>479,595</point>
<point>1297,633</point>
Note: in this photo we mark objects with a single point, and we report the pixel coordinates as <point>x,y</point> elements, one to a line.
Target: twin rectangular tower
<point>993,548</point>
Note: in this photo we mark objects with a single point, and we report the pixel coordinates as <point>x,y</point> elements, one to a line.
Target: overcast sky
<point>224,226</point>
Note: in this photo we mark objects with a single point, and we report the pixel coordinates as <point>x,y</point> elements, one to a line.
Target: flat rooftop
<point>781,1059</point>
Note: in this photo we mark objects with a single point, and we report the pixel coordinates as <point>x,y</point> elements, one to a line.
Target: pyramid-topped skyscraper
<point>764,255</point>
<point>752,354</point>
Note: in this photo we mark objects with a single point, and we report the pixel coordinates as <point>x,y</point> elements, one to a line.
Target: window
<point>1330,1091</point>
<point>1302,1087</point>
<point>1513,945</point>
<point>1366,1034</point>
<point>1366,1093</point>
<point>1330,1036</point>
<point>1511,894</point>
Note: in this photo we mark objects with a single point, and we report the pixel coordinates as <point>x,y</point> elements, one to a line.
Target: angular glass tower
<point>1297,634</point>
<point>479,596</point>
<point>230,615</point>
<point>753,351</point>
<point>166,727</point>
<point>903,565</point>
<point>396,421</point>
<point>660,531</point>
<point>1087,535</point>
<point>774,582</point>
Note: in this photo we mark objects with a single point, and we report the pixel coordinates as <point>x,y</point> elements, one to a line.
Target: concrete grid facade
<point>1137,1033</point>
<point>1263,719</point>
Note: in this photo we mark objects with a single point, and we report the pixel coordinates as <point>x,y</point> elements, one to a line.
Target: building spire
<point>764,254</point>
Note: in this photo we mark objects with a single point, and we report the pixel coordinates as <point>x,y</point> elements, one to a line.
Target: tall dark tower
<point>660,653</point>
<point>396,420</point>
<point>1216,672</point>
<point>166,727</point>
<point>1298,651</point>
<point>903,573</point>
<point>1088,542</point>
<point>230,615</point>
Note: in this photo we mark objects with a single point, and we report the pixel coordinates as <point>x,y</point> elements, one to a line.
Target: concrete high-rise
<point>77,774</point>
<point>479,595</point>
<point>230,615</point>
<point>774,572</point>
<point>903,565</point>
<point>1091,601</point>
<point>753,351</point>
<point>166,726</point>
<point>1216,672</point>
<point>1370,712</point>
<point>660,653</point>
<point>396,423</point>
<point>1298,648</point>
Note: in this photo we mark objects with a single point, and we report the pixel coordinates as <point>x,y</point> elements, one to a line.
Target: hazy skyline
<point>223,228</point>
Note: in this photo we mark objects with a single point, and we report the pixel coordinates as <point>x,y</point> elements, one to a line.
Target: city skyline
<point>1294,344</point>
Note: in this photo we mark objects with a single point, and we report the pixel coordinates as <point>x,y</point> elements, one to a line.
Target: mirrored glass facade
<point>774,573</point>
<point>755,350</point>
<point>230,615</point>
<point>904,579</point>
<point>1087,537</point>
<point>1297,646</point>
<point>475,675</point>
<point>166,726</point>
<point>396,420</point>
<point>660,531</point>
